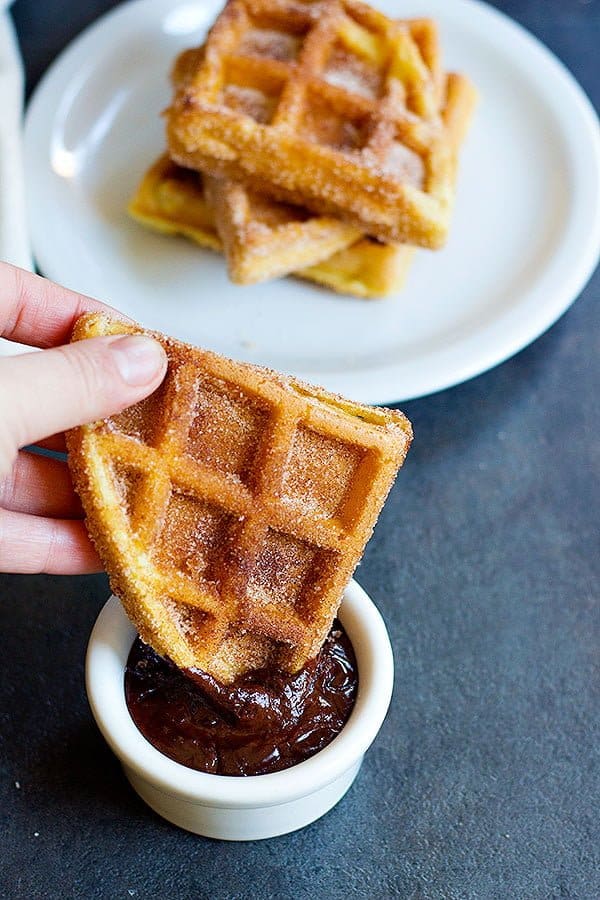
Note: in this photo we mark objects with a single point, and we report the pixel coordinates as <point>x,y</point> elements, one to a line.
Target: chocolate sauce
<point>265,721</point>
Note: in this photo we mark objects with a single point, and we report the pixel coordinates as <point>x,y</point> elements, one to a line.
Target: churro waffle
<point>263,238</point>
<point>327,104</point>
<point>231,507</point>
<point>172,200</point>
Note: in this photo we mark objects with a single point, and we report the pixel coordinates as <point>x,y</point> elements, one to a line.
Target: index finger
<point>39,313</point>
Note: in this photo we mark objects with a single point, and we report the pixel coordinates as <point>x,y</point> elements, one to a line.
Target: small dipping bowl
<point>242,808</point>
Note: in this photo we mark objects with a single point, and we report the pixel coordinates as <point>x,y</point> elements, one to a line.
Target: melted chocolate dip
<point>265,721</point>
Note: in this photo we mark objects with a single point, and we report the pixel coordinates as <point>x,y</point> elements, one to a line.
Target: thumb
<point>48,392</point>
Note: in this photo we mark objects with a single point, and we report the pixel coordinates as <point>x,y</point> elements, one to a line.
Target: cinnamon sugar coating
<point>231,507</point>
<point>327,104</point>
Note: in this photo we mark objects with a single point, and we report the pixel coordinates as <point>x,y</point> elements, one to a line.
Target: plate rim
<point>381,384</point>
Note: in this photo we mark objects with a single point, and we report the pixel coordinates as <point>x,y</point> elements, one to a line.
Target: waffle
<point>264,238</point>
<point>231,507</point>
<point>327,104</point>
<point>172,200</point>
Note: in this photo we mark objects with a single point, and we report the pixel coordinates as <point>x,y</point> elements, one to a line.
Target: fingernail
<point>139,359</point>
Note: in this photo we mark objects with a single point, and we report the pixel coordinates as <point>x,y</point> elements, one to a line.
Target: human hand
<point>42,395</point>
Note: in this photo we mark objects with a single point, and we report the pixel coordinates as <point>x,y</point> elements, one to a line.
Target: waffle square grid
<point>232,506</point>
<point>327,103</point>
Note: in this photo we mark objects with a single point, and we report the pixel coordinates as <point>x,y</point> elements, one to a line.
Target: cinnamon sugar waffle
<point>173,199</point>
<point>231,507</point>
<point>263,238</point>
<point>327,104</point>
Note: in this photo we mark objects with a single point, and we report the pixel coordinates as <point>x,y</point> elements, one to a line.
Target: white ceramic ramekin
<point>257,806</point>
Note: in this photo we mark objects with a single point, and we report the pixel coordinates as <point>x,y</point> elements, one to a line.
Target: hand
<point>42,394</point>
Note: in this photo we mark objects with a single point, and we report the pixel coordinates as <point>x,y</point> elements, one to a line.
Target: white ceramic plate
<point>525,236</point>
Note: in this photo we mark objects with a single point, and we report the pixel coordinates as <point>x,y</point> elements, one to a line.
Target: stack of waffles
<point>317,138</point>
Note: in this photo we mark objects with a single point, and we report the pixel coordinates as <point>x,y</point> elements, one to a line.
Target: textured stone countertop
<point>484,782</point>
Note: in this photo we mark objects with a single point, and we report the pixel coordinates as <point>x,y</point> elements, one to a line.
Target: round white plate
<point>525,236</point>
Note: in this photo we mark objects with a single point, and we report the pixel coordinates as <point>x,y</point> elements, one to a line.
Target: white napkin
<point>14,242</point>
<point>14,239</point>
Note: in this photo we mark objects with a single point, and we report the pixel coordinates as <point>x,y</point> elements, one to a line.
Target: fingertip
<point>140,359</point>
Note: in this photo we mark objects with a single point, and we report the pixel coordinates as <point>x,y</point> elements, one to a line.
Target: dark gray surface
<point>484,780</point>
